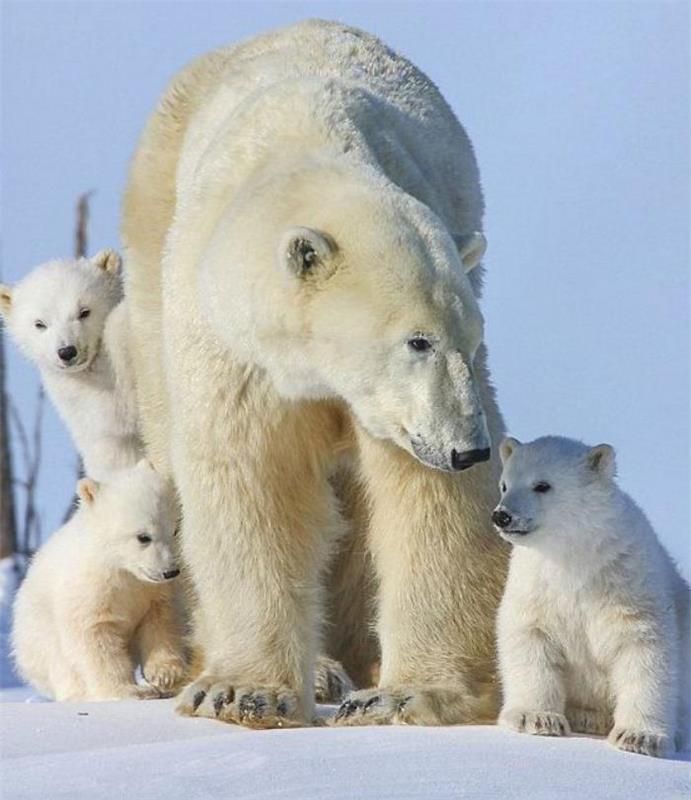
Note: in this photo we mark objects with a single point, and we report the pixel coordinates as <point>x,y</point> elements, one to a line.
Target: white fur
<point>94,394</point>
<point>593,627</point>
<point>95,601</point>
<point>301,207</point>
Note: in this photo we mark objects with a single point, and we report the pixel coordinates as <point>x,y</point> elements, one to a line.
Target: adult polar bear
<point>310,366</point>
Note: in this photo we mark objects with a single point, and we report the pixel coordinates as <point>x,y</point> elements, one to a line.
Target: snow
<point>104,751</point>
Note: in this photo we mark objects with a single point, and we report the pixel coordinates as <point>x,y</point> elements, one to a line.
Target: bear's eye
<point>40,325</point>
<point>542,487</point>
<point>144,538</point>
<point>503,487</point>
<point>84,313</point>
<point>420,344</point>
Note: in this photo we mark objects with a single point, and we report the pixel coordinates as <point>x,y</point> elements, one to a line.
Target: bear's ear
<point>87,489</point>
<point>107,260</point>
<point>471,247</point>
<point>5,299</point>
<point>306,253</point>
<point>507,448</point>
<point>602,460</point>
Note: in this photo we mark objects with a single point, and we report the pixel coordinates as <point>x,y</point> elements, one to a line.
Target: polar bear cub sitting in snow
<point>68,317</point>
<point>96,600</point>
<point>593,629</point>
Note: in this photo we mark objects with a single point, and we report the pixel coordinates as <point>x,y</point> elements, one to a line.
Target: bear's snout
<point>68,353</point>
<point>460,461</point>
<point>501,518</point>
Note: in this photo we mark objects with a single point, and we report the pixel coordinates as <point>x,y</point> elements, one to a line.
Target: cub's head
<point>57,312</point>
<point>360,292</point>
<point>134,516</point>
<point>550,488</point>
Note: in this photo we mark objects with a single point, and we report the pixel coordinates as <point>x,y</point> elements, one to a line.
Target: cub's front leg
<point>158,644</point>
<point>100,653</point>
<point>644,683</point>
<point>530,665</point>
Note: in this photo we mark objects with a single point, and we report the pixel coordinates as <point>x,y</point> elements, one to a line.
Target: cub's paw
<point>252,706</point>
<point>538,723</point>
<point>331,682</point>
<point>647,743</point>
<point>408,705</point>
<point>165,674</point>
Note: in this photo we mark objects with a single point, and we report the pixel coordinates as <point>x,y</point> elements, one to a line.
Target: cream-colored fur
<point>594,626</point>
<point>96,600</point>
<point>301,229</point>
<point>77,304</point>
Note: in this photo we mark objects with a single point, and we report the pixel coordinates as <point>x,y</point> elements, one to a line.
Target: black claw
<point>223,699</point>
<point>372,701</point>
<point>347,709</point>
<point>403,703</point>
<point>197,699</point>
<point>282,708</point>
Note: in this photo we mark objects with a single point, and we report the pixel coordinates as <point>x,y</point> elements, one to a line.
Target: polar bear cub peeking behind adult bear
<point>593,629</point>
<point>68,317</point>
<point>96,600</point>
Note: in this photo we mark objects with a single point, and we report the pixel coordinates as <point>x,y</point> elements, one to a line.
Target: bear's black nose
<point>466,459</point>
<point>67,353</point>
<point>501,519</point>
<point>173,573</point>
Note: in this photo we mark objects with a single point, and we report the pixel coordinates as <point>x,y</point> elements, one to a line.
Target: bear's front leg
<point>644,684</point>
<point>258,521</point>
<point>441,573</point>
<point>99,652</point>
<point>158,643</point>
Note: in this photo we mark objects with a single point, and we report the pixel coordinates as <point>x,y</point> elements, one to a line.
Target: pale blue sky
<point>579,113</point>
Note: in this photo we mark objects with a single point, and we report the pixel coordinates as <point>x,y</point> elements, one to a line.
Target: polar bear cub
<point>69,318</point>
<point>96,600</point>
<point>593,628</point>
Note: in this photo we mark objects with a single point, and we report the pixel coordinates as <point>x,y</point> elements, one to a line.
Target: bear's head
<point>56,314</point>
<point>340,287</point>
<point>133,517</point>
<point>552,489</point>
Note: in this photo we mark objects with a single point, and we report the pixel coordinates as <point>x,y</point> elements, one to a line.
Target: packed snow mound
<point>107,751</point>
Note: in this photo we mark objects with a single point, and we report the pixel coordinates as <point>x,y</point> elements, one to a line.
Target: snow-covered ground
<point>142,750</point>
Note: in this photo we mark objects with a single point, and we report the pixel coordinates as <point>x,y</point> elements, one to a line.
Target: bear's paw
<point>165,673</point>
<point>251,706</point>
<point>537,723</point>
<point>647,743</point>
<point>331,682</point>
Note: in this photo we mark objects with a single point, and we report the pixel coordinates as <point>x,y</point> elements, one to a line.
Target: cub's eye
<point>503,487</point>
<point>144,538</point>
<point>420,344</point>
<point>84,313</point>
<point>542,487</point>
<point>40,325</point>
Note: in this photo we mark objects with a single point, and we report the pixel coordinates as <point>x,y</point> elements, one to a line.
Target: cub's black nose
<point>501,519</point>
<point>173,573</point>
<point>67,353</point>
<point>466,459</point>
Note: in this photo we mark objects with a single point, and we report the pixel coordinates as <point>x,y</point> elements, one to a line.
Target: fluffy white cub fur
<point>96,600</point>
<point>593,629</point>
<point>67,316</point>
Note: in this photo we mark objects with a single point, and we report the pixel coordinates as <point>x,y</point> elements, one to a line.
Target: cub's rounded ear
<point>306,253</point>
<point>87,489</point>
<point>507,448</point>
<point>108,260</point>
<point>602,460</point>
<point>5,299</point>
<point>471,247</point>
